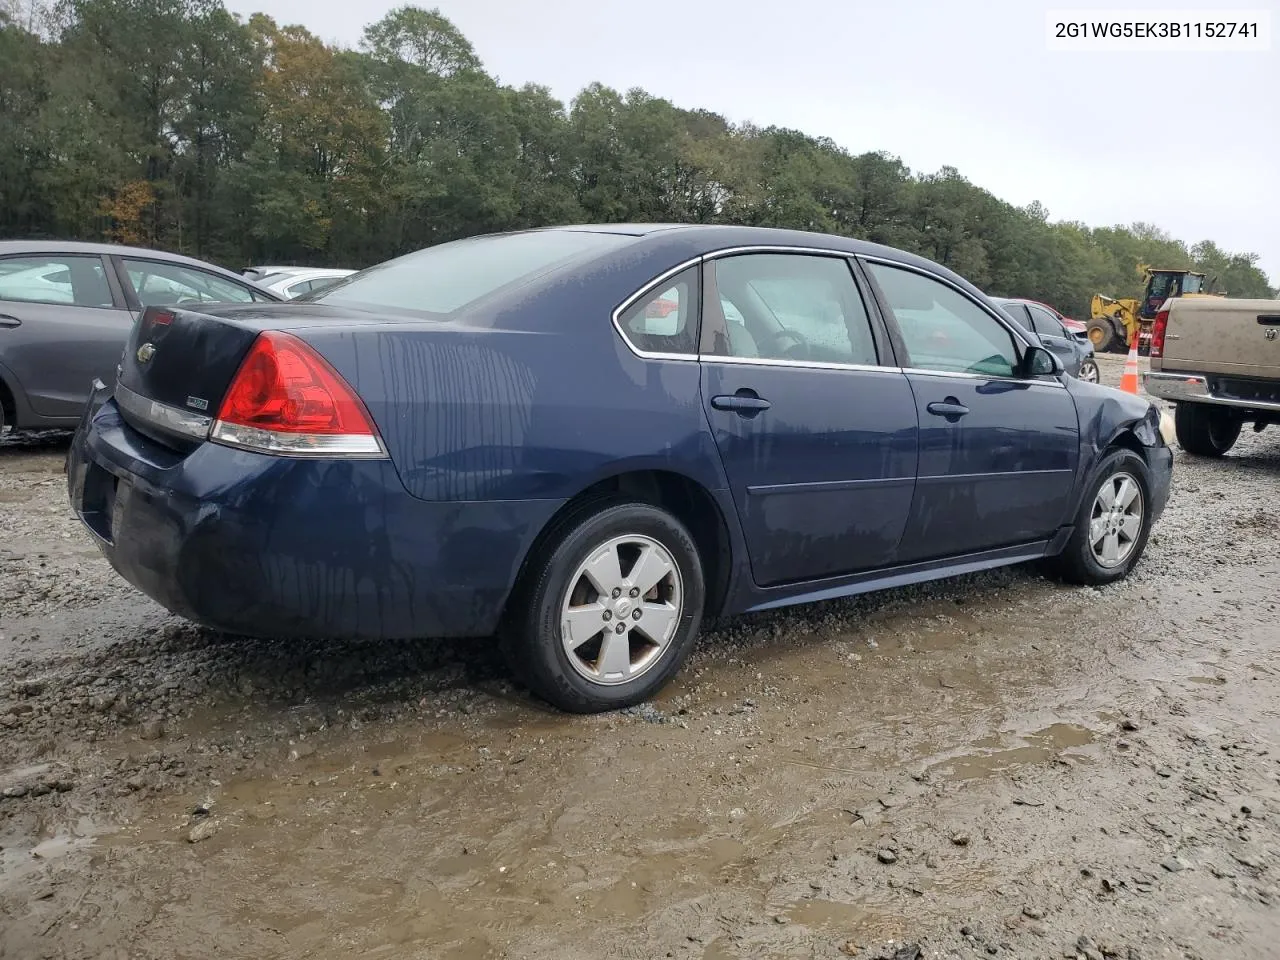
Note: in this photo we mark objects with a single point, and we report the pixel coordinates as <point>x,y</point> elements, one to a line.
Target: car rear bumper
<point>272,546</point>
<point>1193,388</point>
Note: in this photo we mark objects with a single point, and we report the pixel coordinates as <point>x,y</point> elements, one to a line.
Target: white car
<point>295,282</point>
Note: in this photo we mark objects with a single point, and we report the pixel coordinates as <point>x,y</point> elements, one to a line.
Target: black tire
<point>1077,563</point>
<point>532,635</point>
<point>1089,371</point>
<point>1102,335</point>
<point>1205,431</point>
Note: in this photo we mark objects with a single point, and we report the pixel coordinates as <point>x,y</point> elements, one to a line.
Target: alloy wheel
<point>1115,523</point>
<point>622,609</point>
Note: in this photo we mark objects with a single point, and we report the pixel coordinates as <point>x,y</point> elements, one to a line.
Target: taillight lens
<point>286,399</point>
<point>1158,327</point>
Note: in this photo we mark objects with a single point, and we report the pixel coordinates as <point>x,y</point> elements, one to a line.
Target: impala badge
<point>1271,334</point>
<point>146,352</point>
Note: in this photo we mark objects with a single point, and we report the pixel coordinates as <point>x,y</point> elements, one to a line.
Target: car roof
<point>710,237</point>
<point>18,247</point>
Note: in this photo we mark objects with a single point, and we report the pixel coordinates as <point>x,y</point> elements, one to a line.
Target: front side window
<point>942,329</point>
<point>160,284</point>
<point>785,306</point>
<point>665,320</point>
<point>71,280</point>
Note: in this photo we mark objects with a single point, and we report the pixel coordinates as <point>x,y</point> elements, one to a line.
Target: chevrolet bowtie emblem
<point>146,352</point>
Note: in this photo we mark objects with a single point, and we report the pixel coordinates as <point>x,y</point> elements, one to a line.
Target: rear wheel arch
<point>8,405</point>
<point>683,497</point>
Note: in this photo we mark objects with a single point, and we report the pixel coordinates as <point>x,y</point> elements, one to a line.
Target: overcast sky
<point>1189,141</point>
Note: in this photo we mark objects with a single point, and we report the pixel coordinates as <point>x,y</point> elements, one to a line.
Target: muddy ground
<point>994,766</point>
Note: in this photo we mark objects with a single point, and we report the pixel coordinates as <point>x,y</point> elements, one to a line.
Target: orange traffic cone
<point>1129,379</point>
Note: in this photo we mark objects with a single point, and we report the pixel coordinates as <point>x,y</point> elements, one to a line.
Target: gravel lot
<point>993,766</point>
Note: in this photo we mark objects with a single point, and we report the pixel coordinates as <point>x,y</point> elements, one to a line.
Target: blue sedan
<point>586,440</point>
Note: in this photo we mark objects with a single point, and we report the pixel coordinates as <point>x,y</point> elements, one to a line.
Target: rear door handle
<point>8,321</point>
<point>745,403</point>
<point>951,408</point>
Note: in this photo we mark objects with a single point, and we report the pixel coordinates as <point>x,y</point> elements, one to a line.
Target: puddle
<point>988,760</point>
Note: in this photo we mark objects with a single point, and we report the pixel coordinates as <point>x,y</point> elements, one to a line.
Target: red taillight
<point>285,398</point>
<point>1157,333</point>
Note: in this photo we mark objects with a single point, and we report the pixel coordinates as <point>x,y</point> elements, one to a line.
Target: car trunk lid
<point>178,363</point>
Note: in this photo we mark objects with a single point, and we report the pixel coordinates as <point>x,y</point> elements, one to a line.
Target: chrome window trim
<point>960,375</point>
<point>805,364</point>
<point>698,356</point>
<point>631,301</point>
<point>162,415</point>
<point>779,248</point>
<point>696,261</point>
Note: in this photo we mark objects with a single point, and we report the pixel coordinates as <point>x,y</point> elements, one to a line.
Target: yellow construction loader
<point>1113,323</point>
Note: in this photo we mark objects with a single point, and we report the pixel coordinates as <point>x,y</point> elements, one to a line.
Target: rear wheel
<point>1205,431</point>
<point>1101,334</point>
<point>1112,526</point>
<point>609,610</point>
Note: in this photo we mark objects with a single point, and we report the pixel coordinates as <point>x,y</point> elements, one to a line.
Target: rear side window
<point>71,280</point>
<point>1046,324</point>
<point>665,320</point>
<point>1019,313</point>
<point>446,278</point>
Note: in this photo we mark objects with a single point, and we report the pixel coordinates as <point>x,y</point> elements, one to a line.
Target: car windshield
<point>444,279</point>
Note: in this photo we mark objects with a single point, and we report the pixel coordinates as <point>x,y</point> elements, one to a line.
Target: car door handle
<point>951,408</point>
<point>745,403</point>
<point>8,321</point>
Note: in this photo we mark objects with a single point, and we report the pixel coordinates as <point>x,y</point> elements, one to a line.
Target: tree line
<point>175,124</point>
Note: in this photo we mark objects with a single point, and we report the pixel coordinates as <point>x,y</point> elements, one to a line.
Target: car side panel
<point>501,415</point>
<point>58,351</point>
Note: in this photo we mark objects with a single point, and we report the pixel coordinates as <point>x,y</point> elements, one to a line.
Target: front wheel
<point>1113,524</point>
<point>610,608</point>
<point>1205,431</point>
<point>1089,371</point>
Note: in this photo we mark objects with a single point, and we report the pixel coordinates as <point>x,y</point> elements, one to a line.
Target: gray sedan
<point>1075,351</point>
<point>65,314</point>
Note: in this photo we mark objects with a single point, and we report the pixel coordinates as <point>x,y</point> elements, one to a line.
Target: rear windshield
<point>446,278</point>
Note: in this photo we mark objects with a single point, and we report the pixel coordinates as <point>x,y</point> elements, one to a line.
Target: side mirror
<point>1039,362</point>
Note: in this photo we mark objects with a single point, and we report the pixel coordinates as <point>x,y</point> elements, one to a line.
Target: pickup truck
<point>1218,362</point>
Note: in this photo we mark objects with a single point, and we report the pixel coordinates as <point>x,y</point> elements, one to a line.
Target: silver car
<point>295,282</point>
<point>66,310</point>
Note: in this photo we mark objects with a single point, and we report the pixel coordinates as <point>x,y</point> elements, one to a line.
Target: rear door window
<point>1046,324</point>
<point>160,284</point>
<point>79,281</point>
<point>797,307</point>
<point>1019,313</point>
